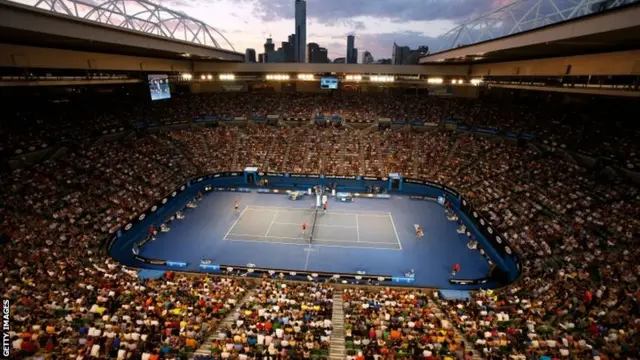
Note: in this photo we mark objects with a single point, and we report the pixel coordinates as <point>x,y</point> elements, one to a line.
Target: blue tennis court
<point>374,235</point>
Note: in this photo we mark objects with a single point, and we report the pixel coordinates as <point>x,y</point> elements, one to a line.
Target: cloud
<point>327,11</point>
<point>347,23</point>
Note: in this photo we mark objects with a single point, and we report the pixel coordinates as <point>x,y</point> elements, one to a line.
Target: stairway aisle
<point>468,347</point>
<point>361,158</point>
<point>205,348</point>
<point>337,349</point>
<point>236,146</point>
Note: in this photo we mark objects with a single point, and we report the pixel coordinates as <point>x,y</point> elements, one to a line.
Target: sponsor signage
<point>420,197</point>
<point>371,178</point>
<point>403,280</point>
<point>340,177</point>
<point>149,261</point>
<point>110,241</point>
<point>310,176</point>
<point>485,227</point>
<point>303,274</point>
<point>468,281</point>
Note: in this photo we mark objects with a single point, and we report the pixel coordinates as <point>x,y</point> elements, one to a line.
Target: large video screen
<point>329,83</point>
<point>159,87</point>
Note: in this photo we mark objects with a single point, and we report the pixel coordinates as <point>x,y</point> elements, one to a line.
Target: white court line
<point>271,225</point>
<point>268,236</point>
<point>333,212</point>
<point>360,242</point>
<point>281,210</point>
<point>334,226</point>
<point>315,245</point>
<point>358,214</point>
<point>306,262</point>
<point>300,238</point>
<point>395,231</point>
<point>357,230</point>
<point>235,222</point>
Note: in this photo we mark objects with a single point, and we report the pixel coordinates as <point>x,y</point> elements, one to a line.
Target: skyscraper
<point>312,51</point>
<point>367,58</point>
<point>290,54</point>
<point>323,56</point>
<point>354,56</point>
<point>250,56</point>
<point>399,54</point>
<point>403,55</point>
<point>269,46</point>
<point>301,31</point>
<point>316,54</point>
<point>350,45</point>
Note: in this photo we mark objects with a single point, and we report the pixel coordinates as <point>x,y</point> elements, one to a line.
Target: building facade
<point>399,54</point>
<point>250,56</point>
<point>351,42</point>
<point>301,31</point>
<point>316,54</point>
<point>289,48</point>
<point>403,55</point>
<point>269,46</point>
<point>367,58</point>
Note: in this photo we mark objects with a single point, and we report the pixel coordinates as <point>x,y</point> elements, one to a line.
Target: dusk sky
<point>375,23</point>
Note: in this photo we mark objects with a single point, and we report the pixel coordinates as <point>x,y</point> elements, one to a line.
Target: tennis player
<point>304,228</point>
<point>324,207</point>
<point>455,269</point>
<point>235,205</point>
<point>419,233</point>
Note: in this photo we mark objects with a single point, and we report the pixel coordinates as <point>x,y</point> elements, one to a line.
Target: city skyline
<point>375,23</point>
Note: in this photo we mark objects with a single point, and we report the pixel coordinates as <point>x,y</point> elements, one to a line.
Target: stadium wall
<point>497,250</point>
<point>616,63</point>
<point>621,63</point>
<point>239,68</point>
<point>46,58</point>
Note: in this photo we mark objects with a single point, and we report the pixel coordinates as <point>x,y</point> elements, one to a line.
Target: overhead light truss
<point>522,15</point>
<point>141,16</point>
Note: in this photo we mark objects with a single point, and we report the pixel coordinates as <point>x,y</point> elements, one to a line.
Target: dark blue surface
<point>202,231</point>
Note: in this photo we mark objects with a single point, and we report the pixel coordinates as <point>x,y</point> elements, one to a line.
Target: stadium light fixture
<point>381,78</point>
<point>203,77</point>
<point>435,81</point>
<point>476,82</point>
<point>353,77</point>
<point>305,77</point>
<point>226,77</point>
<point>187,76</point>
<point>277,77</point>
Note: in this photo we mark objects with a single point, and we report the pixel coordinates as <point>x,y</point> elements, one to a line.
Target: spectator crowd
<point>575,230</point>
<point>280,320</point>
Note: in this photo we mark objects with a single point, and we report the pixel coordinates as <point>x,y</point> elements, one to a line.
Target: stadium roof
<point>163,37</point>
<point>616,29</point>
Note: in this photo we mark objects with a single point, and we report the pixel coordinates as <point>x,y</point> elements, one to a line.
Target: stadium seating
<point>280,319</point>
<point>396,324</point>
<point>575,229</point>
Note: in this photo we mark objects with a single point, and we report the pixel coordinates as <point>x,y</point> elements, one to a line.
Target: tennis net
<point>313,226</point>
